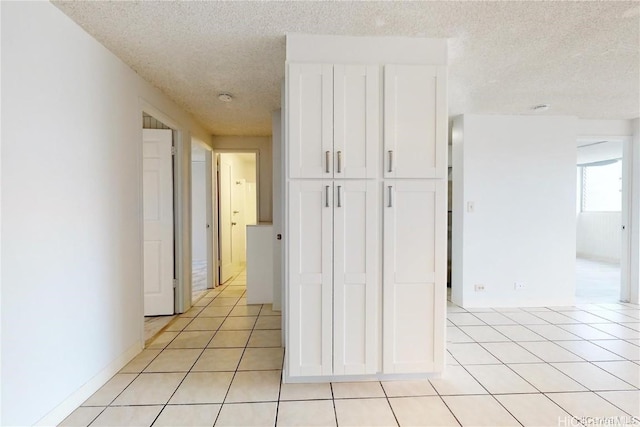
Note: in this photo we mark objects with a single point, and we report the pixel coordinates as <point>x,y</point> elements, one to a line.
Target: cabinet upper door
<point>414,283</point>
<point>356,283</point>
<point>310,271</point>
<point>415,121</point>
<point>356,132</point>
<point>310,120</point>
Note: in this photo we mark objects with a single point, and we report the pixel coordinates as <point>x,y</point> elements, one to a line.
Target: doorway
<point>236,208</point>
<point>601,218</point>
<point>201,230</point>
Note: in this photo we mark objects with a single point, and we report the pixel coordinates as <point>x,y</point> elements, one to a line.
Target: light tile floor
<point>597,281</point>
<point>153,325</point>
<point>220,364</point>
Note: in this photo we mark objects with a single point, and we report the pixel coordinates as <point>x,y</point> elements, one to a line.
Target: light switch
<point>471,207</point>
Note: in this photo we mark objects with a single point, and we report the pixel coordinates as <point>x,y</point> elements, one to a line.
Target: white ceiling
<point>505,57</point>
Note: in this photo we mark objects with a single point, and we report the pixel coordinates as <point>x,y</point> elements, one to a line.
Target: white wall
<point>263,145</point>
<point>519,171</point>
<point>598,236</point>
<point>198,211</point>
<point>604,128</point>
<point>71,212</point>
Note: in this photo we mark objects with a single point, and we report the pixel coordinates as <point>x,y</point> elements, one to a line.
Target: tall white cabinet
<point>365,237</point>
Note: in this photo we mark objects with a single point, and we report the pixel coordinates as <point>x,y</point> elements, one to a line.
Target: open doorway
<point>201,230</point>
<point>236,207</point>
<point>158,228</point>
<point>601,235</point>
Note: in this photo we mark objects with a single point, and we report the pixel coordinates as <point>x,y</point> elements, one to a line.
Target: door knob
<point>233,223</point>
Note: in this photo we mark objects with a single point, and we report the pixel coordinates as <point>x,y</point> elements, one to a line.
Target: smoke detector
<point>225,97</point>
<point>540,108</point>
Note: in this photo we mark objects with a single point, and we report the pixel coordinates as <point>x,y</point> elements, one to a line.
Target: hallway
<point>220,364</point>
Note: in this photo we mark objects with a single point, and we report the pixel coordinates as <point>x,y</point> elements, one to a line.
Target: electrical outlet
<point>518,286</point>
<point>479,288</point>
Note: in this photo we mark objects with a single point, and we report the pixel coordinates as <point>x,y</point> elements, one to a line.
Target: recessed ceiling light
<point>225,97</point>
<point>540,108</point>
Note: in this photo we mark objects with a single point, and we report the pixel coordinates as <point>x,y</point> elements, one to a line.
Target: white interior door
<point>226,243</point>
<point>158,222</point>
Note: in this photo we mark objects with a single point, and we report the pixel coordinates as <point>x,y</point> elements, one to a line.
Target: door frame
<point>208,204</point>
<point>625,220</point>
<point>209,189</point>
<point>215,200</point>
<point>181,208</point>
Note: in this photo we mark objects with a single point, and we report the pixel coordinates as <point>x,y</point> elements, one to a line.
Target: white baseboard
<point>62,411</point>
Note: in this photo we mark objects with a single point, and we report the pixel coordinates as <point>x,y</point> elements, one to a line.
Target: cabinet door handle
<point>390,160</point>
<point>327,160</point>
<point>326,196</point>
<point>339,161</point>
<point>390,196</point>
<point>339,191</point>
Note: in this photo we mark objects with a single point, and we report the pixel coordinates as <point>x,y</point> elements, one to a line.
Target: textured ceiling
<point>504,57</point>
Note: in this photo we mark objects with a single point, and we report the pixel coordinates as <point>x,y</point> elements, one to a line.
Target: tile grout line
<point>389,403</point>
<point>492,394</point>
<point>333,401</point>
<point>546,340</point>
<point>275,423</point>
<point>546,362</point>
<point>239,362</point>
<point>96,417</point>
<point>194,362</point>
<point>237,366</point>
<point>218,295</point>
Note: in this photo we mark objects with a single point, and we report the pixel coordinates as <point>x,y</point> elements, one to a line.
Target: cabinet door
<point>356,137</point>
<point>415,122</point>
<point>356,279</point>
<point>414,286</point>
<point>310,120</point>
<point>310,277</point>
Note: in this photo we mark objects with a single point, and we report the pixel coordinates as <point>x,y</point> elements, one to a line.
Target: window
<point>601,185</point>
